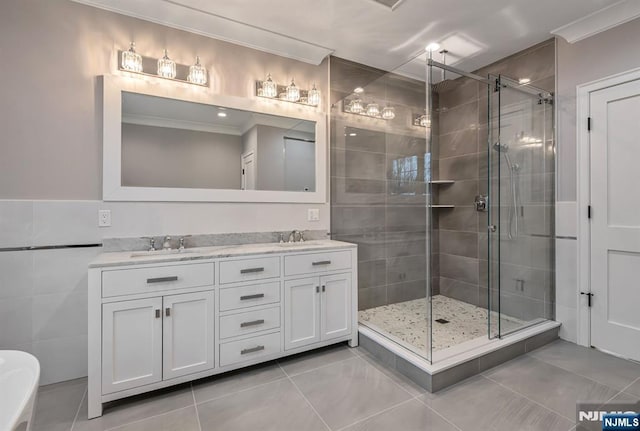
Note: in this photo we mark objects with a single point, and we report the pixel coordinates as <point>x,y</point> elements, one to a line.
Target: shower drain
<point>443,321</point>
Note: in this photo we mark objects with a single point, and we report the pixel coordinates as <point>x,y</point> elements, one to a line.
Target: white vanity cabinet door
<point>302,312</point>
<point>188,336</point>
<point>335,306</point>
<point>131,344</point>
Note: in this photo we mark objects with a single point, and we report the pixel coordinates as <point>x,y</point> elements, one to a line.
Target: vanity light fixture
<point>291,93</point>
<point>421,120</point>
<point>131,60</point>
<point>373,110</point>
<point>388,113</point>
<point>197,73</point>
<point>166,67</point>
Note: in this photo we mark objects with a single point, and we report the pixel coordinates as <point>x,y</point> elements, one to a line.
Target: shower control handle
<point>481,203</point>
<point>492,228</point>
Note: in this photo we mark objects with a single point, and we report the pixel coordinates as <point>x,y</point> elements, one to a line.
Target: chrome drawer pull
<point>252,323</point>
<point>251,270</point>
<point>256,296</point>
<point>251,350</point>
<point>322,262</point>
<point>162,279</point>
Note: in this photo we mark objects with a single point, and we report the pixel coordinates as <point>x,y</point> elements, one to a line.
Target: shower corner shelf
<point>443,206</point>
<point>442,182</point>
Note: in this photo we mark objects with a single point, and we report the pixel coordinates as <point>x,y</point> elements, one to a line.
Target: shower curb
<point>450,376</point>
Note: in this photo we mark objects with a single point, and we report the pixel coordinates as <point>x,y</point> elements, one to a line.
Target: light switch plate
<point>313,214</point>
<point>104,218</point>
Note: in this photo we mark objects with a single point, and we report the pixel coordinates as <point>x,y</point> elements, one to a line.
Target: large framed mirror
<point>172,143</point>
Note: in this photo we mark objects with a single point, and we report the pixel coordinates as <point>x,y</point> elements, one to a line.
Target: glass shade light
<point>269,87</point>
<point>197,73</point>
<point>313,97</point>
<point>356,106</point>
<point>166,67</point>
<point>131,60</point>
<point>293,92</point>
<point>388,113</point>
<point>373,110</point>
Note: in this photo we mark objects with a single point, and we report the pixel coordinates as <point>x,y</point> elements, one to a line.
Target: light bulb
<point>313,97</point>
<point>356,106</point>
<point>131,60</point>
<point>293,92</point>
<point>197,73</point>
<point>388,113</point>
<point>424,120</point>
<point>166,67</point>
<point>269,87</point>
<point>373,110</point>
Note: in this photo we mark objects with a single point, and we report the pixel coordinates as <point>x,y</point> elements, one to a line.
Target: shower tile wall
<point>527,272</point>
<point>370,205</point>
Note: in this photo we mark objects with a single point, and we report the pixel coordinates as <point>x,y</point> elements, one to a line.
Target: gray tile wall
<point>527,271</point>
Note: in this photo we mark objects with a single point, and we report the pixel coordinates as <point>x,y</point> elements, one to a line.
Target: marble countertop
<point>123,258</point>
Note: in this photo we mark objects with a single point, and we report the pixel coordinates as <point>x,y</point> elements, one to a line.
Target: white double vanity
<point>156,320</point>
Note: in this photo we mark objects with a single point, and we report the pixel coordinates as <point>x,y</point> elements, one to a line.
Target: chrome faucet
<point>296,234</point>
<point>166,244</point>
<point>181,242</point>
<point>152,242</point>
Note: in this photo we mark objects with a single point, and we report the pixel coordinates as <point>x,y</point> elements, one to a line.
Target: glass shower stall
<point>447,186</point>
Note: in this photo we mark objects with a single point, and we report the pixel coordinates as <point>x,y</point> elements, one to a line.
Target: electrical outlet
<point>104,218</point>
<point>313,214</point>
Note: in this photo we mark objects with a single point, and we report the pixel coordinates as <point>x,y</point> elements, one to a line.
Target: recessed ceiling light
<point>358,90</point>
<point>222,114</point>
<point>433,46</point>
<point>524,81</point>
<point>353,134</point>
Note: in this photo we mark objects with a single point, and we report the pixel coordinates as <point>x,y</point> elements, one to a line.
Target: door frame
<point>583,194</point>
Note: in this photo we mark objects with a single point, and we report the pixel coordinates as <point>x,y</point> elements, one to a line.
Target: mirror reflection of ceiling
<point>160,111</point>
<point>475,32</point>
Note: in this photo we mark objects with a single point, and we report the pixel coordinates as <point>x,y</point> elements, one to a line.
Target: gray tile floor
<point>345,389</point>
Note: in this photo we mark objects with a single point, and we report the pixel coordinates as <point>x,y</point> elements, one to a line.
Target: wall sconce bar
<point>356,106</point>
<point>150,68</point>
<point>282,94</point>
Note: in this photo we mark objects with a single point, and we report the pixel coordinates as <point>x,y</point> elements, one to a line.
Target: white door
<point>302,312</point>
<point>249,171</point>
<point>188,335</point>
<point>615,223</point>
<point>131,344</point>
<point>335,306</point>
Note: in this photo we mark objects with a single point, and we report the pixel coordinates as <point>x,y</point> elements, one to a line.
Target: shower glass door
<point>521,184</point>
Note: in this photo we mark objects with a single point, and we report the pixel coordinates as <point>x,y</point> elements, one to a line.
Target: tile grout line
<point>304,398</point>
<point>527,398</point>
<point>241,390</point>
<point>75,418</point>
<point>144,419</point>
<point>622,391</point>
<point>195,405</point>
<point>440,414</point>
<point>377,413</point>
<point>320,367</point>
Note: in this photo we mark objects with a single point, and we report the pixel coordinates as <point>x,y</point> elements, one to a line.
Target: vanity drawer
<point>232,298</point>
<point>156,279</point>
<point>249,322</point>
<point>233,271</point>
<point>317,262</point>
<point>250,349</point>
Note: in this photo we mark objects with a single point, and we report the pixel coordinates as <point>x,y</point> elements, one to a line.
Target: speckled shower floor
<point>408,322</point>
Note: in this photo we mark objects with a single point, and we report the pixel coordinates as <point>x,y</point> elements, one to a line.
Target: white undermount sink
<point>160,252</point>
<point>293,244</point>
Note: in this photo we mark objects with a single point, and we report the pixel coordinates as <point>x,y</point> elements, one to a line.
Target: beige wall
<point>50,114</point>
<point>613,51</point>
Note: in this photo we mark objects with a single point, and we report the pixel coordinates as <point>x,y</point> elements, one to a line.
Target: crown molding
<point>207,24</point>
<point>599,21</point>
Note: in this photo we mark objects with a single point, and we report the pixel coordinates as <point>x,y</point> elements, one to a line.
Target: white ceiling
<point>476,32</point>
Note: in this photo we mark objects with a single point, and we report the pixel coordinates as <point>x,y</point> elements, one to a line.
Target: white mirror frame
<point>112,188</point>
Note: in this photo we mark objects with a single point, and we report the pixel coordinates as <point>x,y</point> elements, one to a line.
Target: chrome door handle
<point>157,313</point>
<point>251,350</point>
<point>322,262</point>
<point>251,270</point>
<point>252,323</point>
<point>256,296</point>
<point>167,312</point>
<point>162,279</point>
